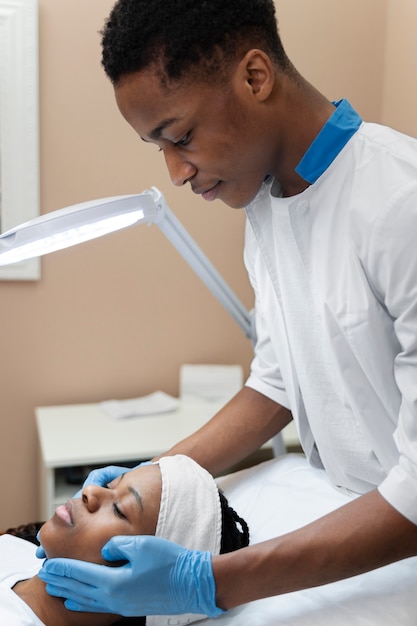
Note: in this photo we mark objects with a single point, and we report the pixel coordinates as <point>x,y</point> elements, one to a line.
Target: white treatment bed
<point>284,494</point>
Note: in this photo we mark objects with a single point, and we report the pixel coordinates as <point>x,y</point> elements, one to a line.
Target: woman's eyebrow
<point>137,497</point>
<point>134,492</point>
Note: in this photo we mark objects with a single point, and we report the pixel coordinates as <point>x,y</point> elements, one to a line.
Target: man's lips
<point>209,194</point>
<point>64,513</point>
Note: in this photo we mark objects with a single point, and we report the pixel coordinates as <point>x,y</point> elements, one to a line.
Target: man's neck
<point>303,111</point>
<point>51,611</point>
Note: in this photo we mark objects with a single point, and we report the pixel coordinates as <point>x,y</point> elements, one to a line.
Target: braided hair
<point>235,531</point>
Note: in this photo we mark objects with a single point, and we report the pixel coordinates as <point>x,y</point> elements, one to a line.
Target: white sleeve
<point>392,265</point>
<point>265,376</point>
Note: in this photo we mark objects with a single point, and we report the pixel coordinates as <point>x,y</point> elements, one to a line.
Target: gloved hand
<point>160,578</point>
<point>104,475</point>
<point>40,552</point>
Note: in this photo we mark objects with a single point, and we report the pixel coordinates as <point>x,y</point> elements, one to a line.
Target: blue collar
<point>339,128</point>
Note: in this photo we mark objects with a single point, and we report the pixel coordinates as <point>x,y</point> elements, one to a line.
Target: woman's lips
<point>63,512</point>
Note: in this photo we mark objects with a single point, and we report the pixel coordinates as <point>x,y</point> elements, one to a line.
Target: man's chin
<point>242,200</point>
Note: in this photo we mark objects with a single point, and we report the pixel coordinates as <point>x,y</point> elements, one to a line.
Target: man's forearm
<point>360,536</point>
<point>240,428</point>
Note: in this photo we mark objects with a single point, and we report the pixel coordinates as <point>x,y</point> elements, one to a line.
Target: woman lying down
<point>175,499</point>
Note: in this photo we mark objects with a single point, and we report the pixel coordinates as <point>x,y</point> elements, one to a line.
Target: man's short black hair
<point>187,38</point>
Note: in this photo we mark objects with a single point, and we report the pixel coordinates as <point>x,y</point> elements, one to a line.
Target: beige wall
<point>117,317</point>
<point>339,47</point>
<point>400,80</point>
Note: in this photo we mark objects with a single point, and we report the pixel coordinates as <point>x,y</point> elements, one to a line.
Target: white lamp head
<point>81,222</point>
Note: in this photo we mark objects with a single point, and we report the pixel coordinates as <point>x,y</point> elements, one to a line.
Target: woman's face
<point>129,505</point>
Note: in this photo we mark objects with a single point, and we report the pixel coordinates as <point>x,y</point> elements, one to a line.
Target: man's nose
<point>180,169</point>
<point>93,496</point>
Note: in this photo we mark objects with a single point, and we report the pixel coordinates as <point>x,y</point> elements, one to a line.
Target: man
<point>330,249</point>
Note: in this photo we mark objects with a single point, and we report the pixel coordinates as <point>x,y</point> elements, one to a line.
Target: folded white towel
<point>154,403</point>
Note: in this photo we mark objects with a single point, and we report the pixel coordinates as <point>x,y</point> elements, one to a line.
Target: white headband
<point>190,515</point>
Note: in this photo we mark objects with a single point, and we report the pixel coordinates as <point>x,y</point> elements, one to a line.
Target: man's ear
<point>256,73</point>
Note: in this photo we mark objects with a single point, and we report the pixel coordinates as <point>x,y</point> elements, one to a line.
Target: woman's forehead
<point>144,474</point>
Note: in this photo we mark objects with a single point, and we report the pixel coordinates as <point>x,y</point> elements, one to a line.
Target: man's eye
<point>118,512</point>
<point>184,141</point>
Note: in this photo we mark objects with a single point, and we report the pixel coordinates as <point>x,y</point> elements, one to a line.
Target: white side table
<point>84,435</point>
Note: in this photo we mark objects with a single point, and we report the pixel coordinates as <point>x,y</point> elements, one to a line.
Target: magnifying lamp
<point>82,222</point>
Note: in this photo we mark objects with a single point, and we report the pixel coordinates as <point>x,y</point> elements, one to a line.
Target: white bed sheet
<point>284,494</point>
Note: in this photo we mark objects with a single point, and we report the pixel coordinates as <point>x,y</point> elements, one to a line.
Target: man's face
<point>129,505</point>
<point>211,137</point>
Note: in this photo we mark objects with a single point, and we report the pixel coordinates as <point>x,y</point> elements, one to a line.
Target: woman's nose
<point>180,169</point>
<point>93,497</point>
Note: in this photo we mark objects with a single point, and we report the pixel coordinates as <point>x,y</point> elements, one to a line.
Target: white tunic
<point>334,271</point>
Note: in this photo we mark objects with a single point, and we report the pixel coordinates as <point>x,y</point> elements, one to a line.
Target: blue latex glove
<point>160,578</point>
<point>104,475</point>
<point>40,552</point>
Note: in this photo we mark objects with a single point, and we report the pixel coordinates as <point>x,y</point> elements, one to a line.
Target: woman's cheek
<point>89,543</point>
<point>54,541</point>
<point>82,542</point>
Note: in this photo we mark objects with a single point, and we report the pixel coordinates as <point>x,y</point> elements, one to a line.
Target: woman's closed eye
<point>117,511</point>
